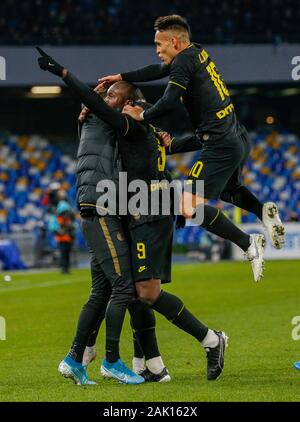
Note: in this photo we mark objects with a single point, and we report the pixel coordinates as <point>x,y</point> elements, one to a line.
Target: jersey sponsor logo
<point>159,186</point>
<point>142,268</point>
<point>225,111</point>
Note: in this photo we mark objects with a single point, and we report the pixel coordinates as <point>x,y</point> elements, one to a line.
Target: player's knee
<point>188,213</point>
<point>186,210</point>
<point>189,203</point>
<point>148,297</point>
<point>225,196</point>
<point>97,301</point>
<point>126,292</point>
<point>122,285</point>
<point>148,291</point>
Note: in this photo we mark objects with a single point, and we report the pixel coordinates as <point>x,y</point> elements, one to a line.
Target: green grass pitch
<point>41,311</point>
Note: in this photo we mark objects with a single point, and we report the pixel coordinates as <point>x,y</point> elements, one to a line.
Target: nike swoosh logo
<point>51,64</point>
<point>122,377</point>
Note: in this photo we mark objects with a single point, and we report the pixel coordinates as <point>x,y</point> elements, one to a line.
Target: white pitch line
<point>41,285</point>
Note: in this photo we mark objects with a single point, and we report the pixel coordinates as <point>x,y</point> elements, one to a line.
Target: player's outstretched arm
<point>147,73</point>
<point>144,74</point>
<point>187,143</point>
<point>89,97</point>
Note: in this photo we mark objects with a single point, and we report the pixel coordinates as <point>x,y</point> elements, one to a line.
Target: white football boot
<point>273,224</point>
<point>255,254</point>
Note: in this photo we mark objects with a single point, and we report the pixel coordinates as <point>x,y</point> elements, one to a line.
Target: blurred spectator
<point>62,224</point>
<point>127,22</point>
<point>50,198</point>
<point>293,217</point>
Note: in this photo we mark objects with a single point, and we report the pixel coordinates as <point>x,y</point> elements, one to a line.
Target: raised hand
<point>134,112</point>
<point>46,62</point>
<point>110,79</point>
<point>165,138</point>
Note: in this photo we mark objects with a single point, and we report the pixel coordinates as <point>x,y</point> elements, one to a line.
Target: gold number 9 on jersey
<point>141,250</point>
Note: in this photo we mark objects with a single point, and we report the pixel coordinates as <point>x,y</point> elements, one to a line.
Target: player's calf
<point>189,203</point>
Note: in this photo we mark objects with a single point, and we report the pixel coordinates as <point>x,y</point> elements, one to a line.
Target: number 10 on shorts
<point>196,169</point>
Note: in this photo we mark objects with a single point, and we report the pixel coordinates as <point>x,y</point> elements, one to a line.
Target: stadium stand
<point>28,164</point>
<point>117,22</point>
<point>272,173</point>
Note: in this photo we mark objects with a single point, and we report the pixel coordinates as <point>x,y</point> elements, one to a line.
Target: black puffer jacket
<point>97,159</point>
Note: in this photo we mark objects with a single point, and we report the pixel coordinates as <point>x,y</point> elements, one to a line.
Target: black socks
<point>215,222</point>
<point>243,198</point>
<point>174,310</point>
<point>143,324</point>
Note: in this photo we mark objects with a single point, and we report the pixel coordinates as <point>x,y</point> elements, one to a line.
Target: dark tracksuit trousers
<point>112,284</point>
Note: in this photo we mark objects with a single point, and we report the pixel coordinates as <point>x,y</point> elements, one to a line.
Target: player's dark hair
<point>172,22</point>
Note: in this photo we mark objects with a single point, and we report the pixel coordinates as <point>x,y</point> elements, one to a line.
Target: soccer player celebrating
<point>195,78</point>
<point>112,284</point>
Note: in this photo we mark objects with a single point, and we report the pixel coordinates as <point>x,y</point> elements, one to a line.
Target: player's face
<point>165,46</point>
<point>115,97</point>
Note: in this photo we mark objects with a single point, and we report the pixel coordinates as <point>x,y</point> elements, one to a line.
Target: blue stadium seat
<point>271,174</point>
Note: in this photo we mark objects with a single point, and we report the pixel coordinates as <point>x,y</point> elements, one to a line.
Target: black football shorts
<point>220,166</point>
<point>151,250</point>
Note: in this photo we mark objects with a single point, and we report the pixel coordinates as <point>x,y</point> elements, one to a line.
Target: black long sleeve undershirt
<point>171,95</point>
<point>179,77</point>
<point>185,144</point>
<point>147,73</point>
<point>97,105</point>
<point>165,104</point>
